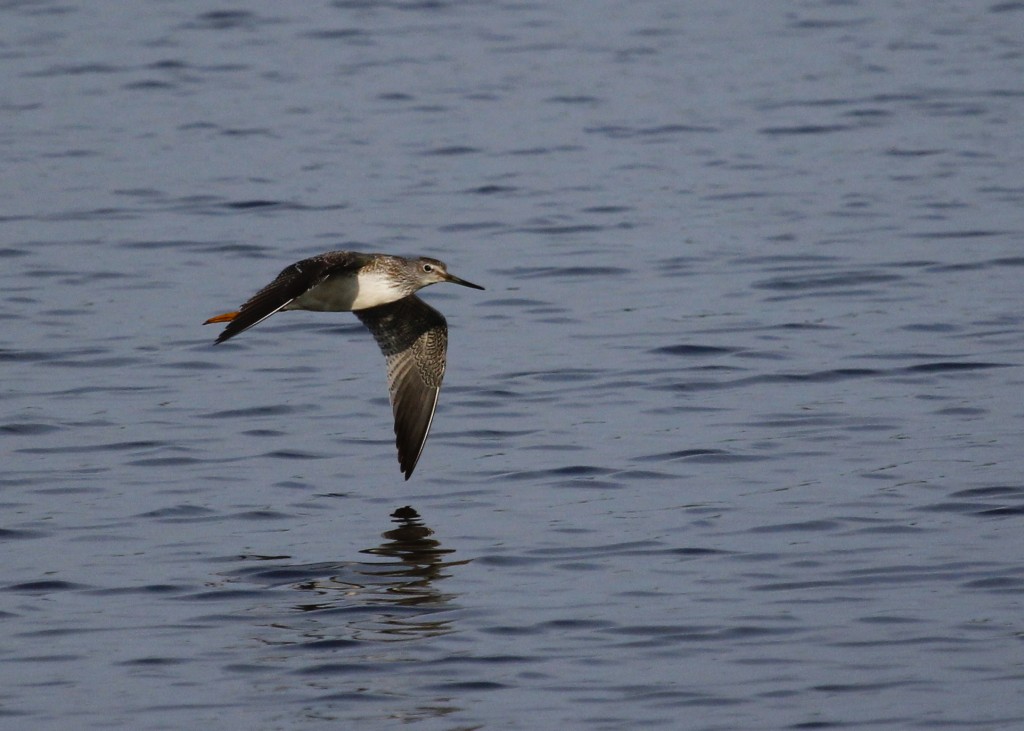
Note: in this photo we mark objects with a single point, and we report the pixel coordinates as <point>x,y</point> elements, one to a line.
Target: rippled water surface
<point>732,440</point>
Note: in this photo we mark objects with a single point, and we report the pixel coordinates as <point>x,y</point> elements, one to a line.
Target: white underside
<point>344,294</point>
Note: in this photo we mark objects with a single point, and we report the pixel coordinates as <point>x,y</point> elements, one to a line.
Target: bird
<point>380,289</point>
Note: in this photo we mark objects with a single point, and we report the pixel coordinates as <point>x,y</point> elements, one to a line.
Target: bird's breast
<point>347,293</point>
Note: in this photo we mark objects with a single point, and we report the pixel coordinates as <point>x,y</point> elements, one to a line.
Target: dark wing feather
<point>414,338</point>
<point>292,282</point>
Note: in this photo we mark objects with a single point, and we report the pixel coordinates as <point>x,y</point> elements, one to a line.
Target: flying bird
<point>381,290</point>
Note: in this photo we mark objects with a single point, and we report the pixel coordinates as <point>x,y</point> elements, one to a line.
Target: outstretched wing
<point>414,338</point>
<point>291,283</point>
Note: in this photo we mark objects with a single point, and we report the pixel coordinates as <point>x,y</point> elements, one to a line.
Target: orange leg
<point>226,317</point>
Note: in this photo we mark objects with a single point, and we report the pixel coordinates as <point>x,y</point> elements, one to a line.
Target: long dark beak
<point>455,280</point>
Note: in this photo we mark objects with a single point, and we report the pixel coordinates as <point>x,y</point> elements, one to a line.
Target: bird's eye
<point>428,267</point>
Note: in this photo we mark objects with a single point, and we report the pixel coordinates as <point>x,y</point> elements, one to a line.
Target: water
<point>731,441</point>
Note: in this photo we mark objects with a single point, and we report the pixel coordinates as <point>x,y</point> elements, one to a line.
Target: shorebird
<point>380,289</point>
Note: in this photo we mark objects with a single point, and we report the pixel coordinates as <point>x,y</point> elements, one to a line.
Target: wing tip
<point>406,464</point>
<point>407,460</point>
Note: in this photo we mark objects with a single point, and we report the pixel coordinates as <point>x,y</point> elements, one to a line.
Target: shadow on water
<point>391,599</point>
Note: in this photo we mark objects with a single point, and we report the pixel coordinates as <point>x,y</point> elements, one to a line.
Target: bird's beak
<point>455,280</point>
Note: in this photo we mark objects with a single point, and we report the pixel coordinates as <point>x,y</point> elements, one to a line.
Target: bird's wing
<point>292,282</point>
<point>414,338</point>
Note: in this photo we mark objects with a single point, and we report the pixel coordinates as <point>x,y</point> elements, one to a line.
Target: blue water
<point>731,441</point>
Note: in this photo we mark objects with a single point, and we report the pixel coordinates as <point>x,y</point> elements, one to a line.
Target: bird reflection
<point>400,591</point>
<point>420,563</point>
<point>329,621</point>
<point>422,559</point>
